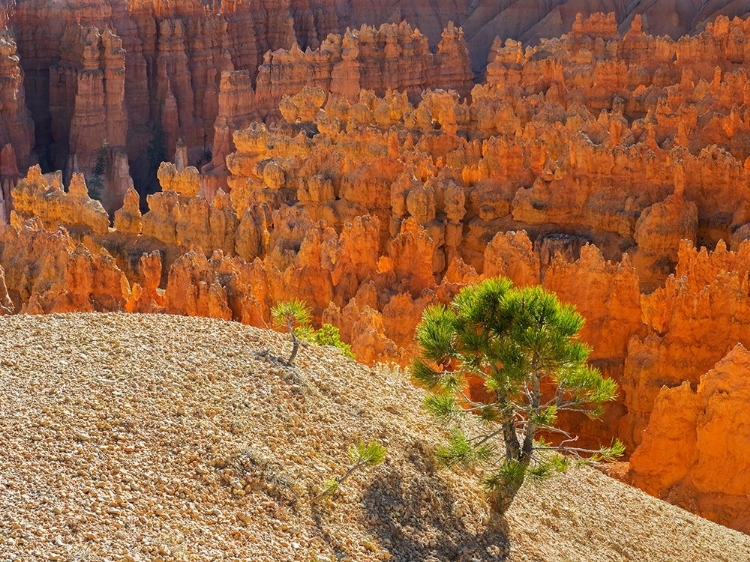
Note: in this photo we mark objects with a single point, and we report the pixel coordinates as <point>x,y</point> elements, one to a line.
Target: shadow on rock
<point>414,518</point>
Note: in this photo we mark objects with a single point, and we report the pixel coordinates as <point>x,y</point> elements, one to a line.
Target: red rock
<point>43,197</point>
<point>16,124</point>
<point>705,301</point>
<point>235,112</point>
<point>128,219</point>
<point>410,258</point>
<point>6,304</point>
<point>145,296</point>
<point>695,435</point>
<point>218,287</point>
<point>658,233</point>
<point>48,272</point>
<point>511,255</point>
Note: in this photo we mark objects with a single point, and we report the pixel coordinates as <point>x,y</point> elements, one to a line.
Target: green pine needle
<point>511,472</point>
<point>614,451</point>
<point>330,487</point>
<point>295,310</point>
<point>443,406</point>
<point>371,454</point>
<point>424,375</point>
<point>459,450</point>
<point>435,333</point>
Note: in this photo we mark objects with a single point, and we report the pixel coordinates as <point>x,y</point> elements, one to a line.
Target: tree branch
<point>484,439</point>
<point>567,449</point>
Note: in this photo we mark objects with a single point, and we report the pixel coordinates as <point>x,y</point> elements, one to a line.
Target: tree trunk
<point>512,446</point>
<point>295,342</point>
<point>531,427</point>
<point>502,497</point>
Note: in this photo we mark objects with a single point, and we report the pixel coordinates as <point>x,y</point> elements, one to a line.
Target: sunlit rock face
<point>114,70</point>
<point>695,432</point>
<point>147,76</point>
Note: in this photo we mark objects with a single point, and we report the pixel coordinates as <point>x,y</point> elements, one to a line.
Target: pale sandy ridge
<point>136,437</point>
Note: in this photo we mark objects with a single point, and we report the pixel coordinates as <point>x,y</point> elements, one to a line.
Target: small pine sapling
<point>292,315</point>
<point>295,317</point>
<point>362,456</point>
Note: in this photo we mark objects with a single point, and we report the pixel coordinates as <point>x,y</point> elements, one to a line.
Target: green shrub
<point>330,335</point>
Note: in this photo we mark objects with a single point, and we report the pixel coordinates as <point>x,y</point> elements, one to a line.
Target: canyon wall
<point>530,21</point>
<point>16,124</point>
<point>693,451</point>
<point>141,76</point>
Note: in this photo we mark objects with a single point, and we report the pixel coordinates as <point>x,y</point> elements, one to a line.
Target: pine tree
<point>517,342</point>
<point>362,455</point>
<point>291,315</point>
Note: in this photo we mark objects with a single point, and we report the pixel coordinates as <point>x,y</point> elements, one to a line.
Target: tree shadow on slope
<point>416,519</point>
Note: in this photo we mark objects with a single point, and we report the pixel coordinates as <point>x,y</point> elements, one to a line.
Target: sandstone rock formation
<point>607,295</point>
<point>705,301</point>
<point>532,21</point>
<point>16,125</point>
<point>695,435</point>
<point>142,76</point>
<point>512,255</point>
<point>48,272</point>
<point>390,57</point>
<point>43,197</point>
<point>658,234</point>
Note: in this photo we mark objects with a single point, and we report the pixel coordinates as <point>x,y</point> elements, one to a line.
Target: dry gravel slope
<point>135,437</point>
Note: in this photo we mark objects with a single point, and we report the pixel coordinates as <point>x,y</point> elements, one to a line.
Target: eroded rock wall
<point>534,20</point>
<point>693,451</point>
<point>16,124</point>
<point>143,76</point>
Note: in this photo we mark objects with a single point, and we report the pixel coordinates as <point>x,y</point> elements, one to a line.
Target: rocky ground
<point>149,437</point>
